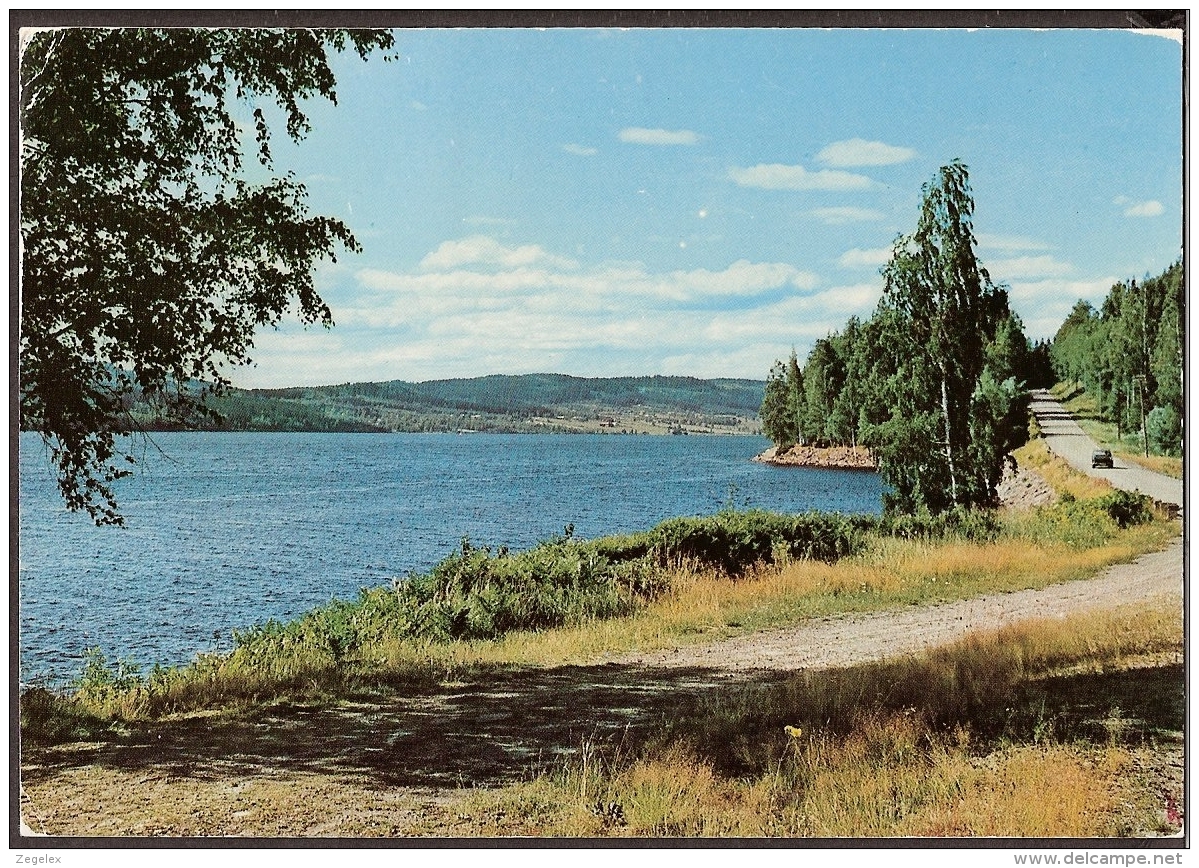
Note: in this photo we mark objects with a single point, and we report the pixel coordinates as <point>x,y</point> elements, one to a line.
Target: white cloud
<point>484,250</point>
<point>859,152</point>
<point>579,150</point>
<point>1152,208</point>
<point>776,176</point>
<point>797,319</point>
<point>858,258</point>
<point>1044,304</point>
<point>482,220</point>
<point>643,136</point>
<point>479,305</point>
<point>1026,267</point>
<point>847,214</point>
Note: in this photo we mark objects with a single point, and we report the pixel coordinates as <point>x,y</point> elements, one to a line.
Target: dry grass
<point>1063,478</point>
<point>946,760</point>
<point>1164,464</point>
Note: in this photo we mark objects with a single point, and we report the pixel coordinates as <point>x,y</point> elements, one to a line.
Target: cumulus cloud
<point>1044,304</point>
<point>643,136</point>
<point>858,258</point>
<point>1151,208</point>
<point>466,314</point>
<point>847,214</point>
<point>579,150</point>
<point>776,176</point>
<point>484,250</point>
<point>859,152</point>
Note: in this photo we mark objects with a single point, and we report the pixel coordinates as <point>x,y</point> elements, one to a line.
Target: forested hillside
<point>532,402</point>
<point>1128,356</point>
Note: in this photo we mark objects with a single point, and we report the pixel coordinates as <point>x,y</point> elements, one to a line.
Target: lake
<point>229,529</point>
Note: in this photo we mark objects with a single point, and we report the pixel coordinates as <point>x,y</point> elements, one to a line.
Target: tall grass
<point>967,740</point>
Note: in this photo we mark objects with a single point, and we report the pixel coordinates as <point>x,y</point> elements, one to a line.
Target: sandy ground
<point>392,766</point>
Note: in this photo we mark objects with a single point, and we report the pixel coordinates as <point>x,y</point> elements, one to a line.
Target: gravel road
<point>851,639</point>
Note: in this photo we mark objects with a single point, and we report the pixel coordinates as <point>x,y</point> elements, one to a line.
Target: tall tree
<point>823,379</point>
<point>149,254</point>
<point>778,420</point>
<point>941,312</point>
<point>842,426</point>
<point>795,398</point>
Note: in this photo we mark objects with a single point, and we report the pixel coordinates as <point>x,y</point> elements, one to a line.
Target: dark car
<point>1102,458</point>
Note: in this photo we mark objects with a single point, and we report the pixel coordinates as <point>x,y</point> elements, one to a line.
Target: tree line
<point>935,382</point>
<point>1129,356</point>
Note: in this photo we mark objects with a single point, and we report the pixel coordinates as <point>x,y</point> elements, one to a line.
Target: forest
<point>1128,356</point>
<point>497,403</point>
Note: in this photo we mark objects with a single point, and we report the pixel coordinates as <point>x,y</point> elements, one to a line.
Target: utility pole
<point>1140,380</point>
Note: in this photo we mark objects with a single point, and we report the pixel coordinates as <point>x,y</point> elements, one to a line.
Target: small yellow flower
<point>793,731</point>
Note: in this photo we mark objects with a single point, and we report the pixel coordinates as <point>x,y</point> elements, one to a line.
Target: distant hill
<point>522,403</point>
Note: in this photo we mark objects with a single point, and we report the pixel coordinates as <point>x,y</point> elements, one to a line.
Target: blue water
<point>228,530</point>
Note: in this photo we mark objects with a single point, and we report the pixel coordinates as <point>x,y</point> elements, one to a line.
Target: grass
<point>1011,733</point>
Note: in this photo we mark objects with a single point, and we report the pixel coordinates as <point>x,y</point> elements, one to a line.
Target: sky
<point>605,202</point>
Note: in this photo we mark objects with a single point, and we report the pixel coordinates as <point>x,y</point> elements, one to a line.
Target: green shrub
<point>1164,427</point>
<point>1079,524</point>
<point>978,525</point>
<point>732,541</point>
<point>476,593</point>
<point>48,717</point>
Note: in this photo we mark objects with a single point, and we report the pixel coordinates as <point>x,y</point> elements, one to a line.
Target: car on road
<point>1102,458</point>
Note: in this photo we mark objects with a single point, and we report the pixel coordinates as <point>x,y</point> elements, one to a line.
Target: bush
<point>732,542</point>
<point>1164,427</point>
<point>1084,523</point>
<point>978,525</point>
<point>48,717</point>
<point>476,593</point>
<point>1127,508</point>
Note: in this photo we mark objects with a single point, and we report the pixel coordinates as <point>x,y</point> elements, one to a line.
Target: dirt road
<point>383,766</point>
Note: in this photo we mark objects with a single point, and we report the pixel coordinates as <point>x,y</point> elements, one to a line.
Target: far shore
<point>833,457</point>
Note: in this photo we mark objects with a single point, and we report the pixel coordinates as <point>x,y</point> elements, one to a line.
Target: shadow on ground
<point>507,724</point>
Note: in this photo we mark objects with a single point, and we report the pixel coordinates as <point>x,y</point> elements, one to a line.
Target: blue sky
<point>682,201</point>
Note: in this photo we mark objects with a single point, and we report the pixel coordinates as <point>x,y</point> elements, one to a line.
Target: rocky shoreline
<point>835,457</point>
